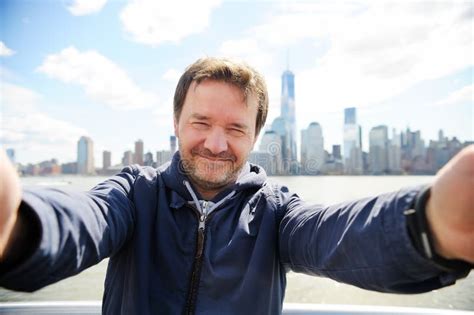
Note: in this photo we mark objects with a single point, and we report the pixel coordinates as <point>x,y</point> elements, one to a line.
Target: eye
<point>236,132</point>
<point>200,125</point>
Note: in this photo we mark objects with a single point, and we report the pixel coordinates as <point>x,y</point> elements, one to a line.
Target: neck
<point>208,194</point>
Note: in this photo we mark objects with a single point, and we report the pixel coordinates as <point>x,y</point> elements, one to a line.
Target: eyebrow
<point>235,124</point>
<point>199,116</point>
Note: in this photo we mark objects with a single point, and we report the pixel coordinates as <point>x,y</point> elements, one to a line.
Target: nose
<point>216,141</point>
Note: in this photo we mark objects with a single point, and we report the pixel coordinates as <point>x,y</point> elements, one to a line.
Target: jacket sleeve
<point>76,230</point>
<point>364,243</point>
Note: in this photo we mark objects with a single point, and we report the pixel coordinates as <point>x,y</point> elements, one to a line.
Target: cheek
<point>242,148</point>
<point>190,138</point>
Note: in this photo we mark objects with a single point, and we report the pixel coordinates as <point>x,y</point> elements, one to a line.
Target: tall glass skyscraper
<point>288,114</point>
<point>85,156</point>
<point>352,143</point>
<point>350,116</point>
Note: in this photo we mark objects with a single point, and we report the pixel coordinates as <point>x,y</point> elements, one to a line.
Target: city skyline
<point>109,71</point>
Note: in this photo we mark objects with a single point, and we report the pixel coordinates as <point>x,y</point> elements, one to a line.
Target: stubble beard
<point>209,174</point>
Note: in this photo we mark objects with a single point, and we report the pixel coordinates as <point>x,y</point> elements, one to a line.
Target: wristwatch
<point>421,236</point>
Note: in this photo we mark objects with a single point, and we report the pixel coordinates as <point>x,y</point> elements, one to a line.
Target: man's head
<point>220,107</point>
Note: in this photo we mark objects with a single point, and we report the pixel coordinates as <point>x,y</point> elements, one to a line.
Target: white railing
<point>94,308</point>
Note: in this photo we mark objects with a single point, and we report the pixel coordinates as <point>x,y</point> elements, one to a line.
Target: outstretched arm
<point>49,234</point>
<point>366,242</point>
<point>10,199</point>
<point>450,208</point>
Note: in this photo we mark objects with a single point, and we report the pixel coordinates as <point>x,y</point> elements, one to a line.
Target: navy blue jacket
<point>173,253</point>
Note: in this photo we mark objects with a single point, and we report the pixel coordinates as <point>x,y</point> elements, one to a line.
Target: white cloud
<point>84,7</point>
<point>172,75</point>
<point>375,50</point>
<point>461,96</point>
<point>155,22</point>
<point>248,50</point>
<point>102,80</point>
<point>27,129</point>
<point>5,51</point>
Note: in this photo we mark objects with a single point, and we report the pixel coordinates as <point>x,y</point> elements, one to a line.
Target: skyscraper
<point>138,154</point>
<point>352,143</point>
<point>378,149</point>
<point>127,158</point>
<point>288,114</point>
<point>106,159</point>
<point>271,145</point>
<point>312,149</point>
<point>172,144</point>
<point>11,155</point>
<point>148,159</point>
<point>350,116</point>
<point>85,156</point>
<point>394,154</point>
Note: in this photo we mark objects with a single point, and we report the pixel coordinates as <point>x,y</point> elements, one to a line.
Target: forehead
<point>219,100</point>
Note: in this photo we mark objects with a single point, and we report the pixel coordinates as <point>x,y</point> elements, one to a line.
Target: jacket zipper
<point>196,273</point>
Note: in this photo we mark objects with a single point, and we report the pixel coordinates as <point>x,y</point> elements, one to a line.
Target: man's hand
<point>10,199</point>
<point>450,208</point>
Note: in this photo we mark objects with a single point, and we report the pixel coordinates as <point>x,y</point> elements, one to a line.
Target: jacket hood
<point>251,177</point>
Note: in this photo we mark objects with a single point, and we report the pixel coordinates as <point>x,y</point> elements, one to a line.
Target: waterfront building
<point>312,149</point>
<point>106,160</point>
<point>271,144</point>
<point>11,155</point>
<point>288,114</point>
<point>138,154</point>
<point>353,163</point>
<point>378,150</point>
<point>127,158</point>
<point>350,116</point>
<point>85,156</point>
<point>264,159</point>
<point>69,168</point>
<point>148,159</point>
<point>281,128</point>
<point>394,154</point>
<point>173,144</point>
<point>162,157</point>
<point>336,152</point>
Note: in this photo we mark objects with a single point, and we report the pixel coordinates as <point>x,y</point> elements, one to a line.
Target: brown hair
<point>241,75</point>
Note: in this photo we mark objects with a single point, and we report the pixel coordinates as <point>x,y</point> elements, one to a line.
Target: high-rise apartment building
<point>85,156</point>
<point>106,160</point>
<point>138,154</point>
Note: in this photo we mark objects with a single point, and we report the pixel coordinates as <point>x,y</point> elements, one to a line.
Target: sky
<point>108,69</point>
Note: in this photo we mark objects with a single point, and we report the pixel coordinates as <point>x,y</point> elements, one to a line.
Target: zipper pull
<point>205,204</point>
<point>202,221</point>
<point>200,236</point>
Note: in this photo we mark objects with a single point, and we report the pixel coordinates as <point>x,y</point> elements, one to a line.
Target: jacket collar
<point>251,176</point>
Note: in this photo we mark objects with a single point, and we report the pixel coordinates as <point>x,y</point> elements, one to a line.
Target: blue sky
<point>108,69</point>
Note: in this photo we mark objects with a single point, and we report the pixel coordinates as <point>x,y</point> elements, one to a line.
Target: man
<point>207,234</point>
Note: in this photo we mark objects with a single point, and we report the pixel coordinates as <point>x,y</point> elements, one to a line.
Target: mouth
<point>214,159</point>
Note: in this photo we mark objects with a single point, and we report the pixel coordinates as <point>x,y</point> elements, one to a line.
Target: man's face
<point>216,132</point>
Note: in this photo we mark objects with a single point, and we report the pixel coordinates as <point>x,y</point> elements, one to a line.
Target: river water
<point>301,288</point>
